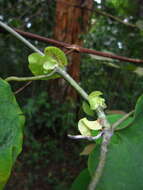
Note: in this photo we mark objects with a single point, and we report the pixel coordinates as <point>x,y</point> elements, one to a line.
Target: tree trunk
<point>72,20</point>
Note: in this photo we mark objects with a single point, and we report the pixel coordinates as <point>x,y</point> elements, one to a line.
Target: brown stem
<point>75,47</point>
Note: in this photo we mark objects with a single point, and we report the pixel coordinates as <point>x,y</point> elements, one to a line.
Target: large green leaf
<point>82,181</point>
<point>124,166</point>
<point>11,131</point>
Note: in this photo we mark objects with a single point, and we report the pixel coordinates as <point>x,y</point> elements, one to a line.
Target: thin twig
<point>14,33</point>
<point>23,87</point>
<point>80,49</point>
<point>125,117</point>
<point>89,138</point>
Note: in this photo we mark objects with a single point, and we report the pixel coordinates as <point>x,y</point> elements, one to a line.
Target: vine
<point>51,64</point>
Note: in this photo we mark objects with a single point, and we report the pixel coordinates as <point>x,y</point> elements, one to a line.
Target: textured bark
<point>72,20</point>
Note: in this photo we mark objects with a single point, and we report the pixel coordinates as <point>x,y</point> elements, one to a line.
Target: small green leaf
<point>86,108</point>
<point>56,54</point>
<point>48,63</point>
<point>84,130</point>
<point>11,131</point>
<point>85,126</point>
<point>96,101</point>
<point>82,181</point>
<point>41,65</point>
<point>35,64</point>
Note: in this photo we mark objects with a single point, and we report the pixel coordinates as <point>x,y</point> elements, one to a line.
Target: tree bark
<point>72,20</point>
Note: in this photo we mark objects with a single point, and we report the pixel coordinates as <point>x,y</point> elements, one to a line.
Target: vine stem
<point>20,79</point>
<point>102,159</point>
<point>72,82</point>
<point>101,115</point>
<point>14,33</point>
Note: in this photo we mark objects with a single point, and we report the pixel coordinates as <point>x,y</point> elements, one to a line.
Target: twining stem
<point>14,33</point>
<point>101,115</point>
<point>107,131</point>
<point>72,82</point>
<point>103,154</point>
<point>20,79</point>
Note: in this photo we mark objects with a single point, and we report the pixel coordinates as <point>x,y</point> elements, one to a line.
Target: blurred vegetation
<point>49,156</point>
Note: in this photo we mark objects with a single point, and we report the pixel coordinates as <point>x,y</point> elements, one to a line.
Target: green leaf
<point>41,65</point>
<point>56,54</point>
<point>82,181</point>
<point>84,130</point>
<point>11,131</point>
<point>35,64</point>
<point>85,126</point>
<point>48,63</point>
<point>86,109</point>
<point>124,164</point>
<point>95,100</point>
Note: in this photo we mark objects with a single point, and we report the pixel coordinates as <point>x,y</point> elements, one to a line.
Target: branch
<point>14,33</point>
<point>104,148</point>
<point>23,87</point>
<point>75,48</point>
<point>125,117</point>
